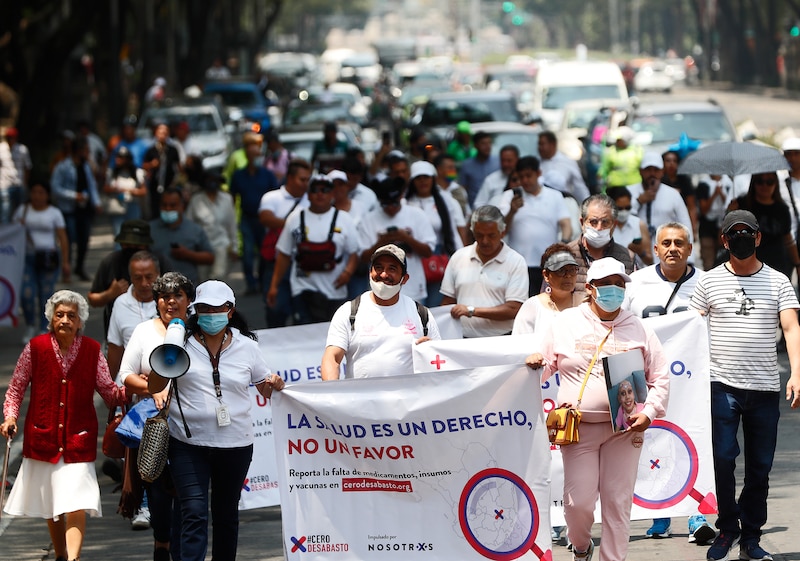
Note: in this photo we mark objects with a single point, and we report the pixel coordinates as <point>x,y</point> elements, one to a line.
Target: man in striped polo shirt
<point>745,300</point>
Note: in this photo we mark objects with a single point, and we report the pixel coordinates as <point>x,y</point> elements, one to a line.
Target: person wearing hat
<point>473,171</point>
<point>320,245</point>
<point>403,225</point>
<point>744,300</point>
<point>665,288</point>
<point>341,196</point>
<point>376,331</point>
<point>604,463</point>
<point>448,222</point>
<point>652,204</point>
<point>112,278</point>
<point>487,280</point>
<point>210,421</point>
<point>461,146</point>
<point>620,163</point>
<point>560,271</point>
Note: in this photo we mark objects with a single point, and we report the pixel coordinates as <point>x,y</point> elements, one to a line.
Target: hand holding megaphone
<point>169,360</point>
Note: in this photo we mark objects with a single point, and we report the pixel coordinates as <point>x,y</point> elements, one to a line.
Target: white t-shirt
<point>127,313</point>
<point>145,337</point>
<point>41,226</point>
<point>380,342</point>
<point>492,189</point>
<point>568,168</point>
<point>318,226</point>
<point>365,196</point>
<point>631,230</point>
<point>535,225</point>
<point>217,218</point>
<point>668,206</point>
<point>428,205</point>
<point>504,278</point>
<point>280,202</point>
<point>241,365</point>
<point>743,314</point>
<point>648,292</point>
<point>357,211</point>
<point>416,222</point>
<point>533,316</point>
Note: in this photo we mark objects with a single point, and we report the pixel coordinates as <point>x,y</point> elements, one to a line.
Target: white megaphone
<point>169,360</point>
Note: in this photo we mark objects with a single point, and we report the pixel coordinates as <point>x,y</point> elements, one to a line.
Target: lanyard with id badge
<point>223,415</point>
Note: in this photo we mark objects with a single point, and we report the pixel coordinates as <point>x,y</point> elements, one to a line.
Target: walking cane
<point>5,472</point>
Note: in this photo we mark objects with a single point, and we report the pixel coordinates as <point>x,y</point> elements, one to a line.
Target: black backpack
<point>421,310</point>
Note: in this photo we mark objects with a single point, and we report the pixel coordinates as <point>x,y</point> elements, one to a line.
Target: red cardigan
<point>61,418</point>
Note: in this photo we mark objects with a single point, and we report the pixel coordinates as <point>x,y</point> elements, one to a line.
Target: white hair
<point>69,298</point>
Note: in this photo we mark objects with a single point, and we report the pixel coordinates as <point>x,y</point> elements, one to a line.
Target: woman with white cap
<point>445,216</point>
<point>603,463</point>
<point>210,426</point>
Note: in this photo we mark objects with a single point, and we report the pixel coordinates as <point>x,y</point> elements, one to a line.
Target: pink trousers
<point>602,464</point>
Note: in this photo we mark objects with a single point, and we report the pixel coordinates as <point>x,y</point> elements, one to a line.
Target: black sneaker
<point>722,545</point>
<point>753,552</point>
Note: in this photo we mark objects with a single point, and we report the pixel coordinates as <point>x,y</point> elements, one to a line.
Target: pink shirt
<point>570,344</point>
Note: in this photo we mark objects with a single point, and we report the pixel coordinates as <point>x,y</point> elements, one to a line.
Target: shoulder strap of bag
<point>591,366</point>
<point>423,316</point>
<point>303,226</point>
<point>678,284</point>
<point>333,224</point>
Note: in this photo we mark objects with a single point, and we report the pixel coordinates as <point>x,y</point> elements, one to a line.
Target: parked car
<point>207,129</point>
<point>243,99</point>
<point>653,77</point>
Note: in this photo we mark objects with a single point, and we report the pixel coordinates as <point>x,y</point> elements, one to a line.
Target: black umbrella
<point>734,158</point>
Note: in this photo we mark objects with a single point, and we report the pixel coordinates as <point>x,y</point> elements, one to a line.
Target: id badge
<point>223,416</point>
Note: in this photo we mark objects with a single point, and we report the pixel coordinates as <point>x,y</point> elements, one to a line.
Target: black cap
<point>735,217</point>
<point>390,190</point>
<point>134,232</point>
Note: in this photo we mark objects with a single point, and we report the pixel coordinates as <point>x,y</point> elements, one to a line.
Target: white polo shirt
<point>127,313</point>
<point>380,341</point>
<point>535,225</point>
<point>504,278</point>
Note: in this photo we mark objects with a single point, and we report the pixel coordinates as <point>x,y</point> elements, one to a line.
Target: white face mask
<point>622,216</point>
<point>597,238</point>
<point>384,291</point>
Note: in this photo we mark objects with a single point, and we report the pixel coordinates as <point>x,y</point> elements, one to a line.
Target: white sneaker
<point>142,519</point>
<point>30,333</point>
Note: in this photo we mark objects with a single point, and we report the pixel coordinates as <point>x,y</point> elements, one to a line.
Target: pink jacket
<point>570,344</point>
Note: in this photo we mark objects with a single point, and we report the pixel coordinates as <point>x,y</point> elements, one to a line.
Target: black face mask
<point>742,247</point>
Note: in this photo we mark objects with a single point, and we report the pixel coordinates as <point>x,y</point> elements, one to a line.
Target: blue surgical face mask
<point>610,298</point>
<point>213,323</point>
<point>169,216</point>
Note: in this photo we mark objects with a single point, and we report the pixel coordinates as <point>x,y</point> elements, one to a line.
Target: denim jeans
<point>79,229</point>
<point>194,470</point>
<point>758,413</point>
<point>37,287</point>
<point>252,234</point>
<point>165,515</point>
<point>280,314</point>
<point>10,199</point>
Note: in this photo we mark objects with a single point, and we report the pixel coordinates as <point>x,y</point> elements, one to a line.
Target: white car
<point>653,77</point>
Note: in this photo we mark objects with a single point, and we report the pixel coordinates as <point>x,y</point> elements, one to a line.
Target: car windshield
<point>198,120</point>
<point>527,143</point>
<point>236,98</point>
<point>558,96</point>
<point>451,112</point>
<point>304,114</point>
<point>705,126</point>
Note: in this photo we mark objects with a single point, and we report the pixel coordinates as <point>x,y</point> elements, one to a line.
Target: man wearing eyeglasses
<point>598,222</point>
<point>745,300</point>
<point>487,281</point>
<point>320,244</point>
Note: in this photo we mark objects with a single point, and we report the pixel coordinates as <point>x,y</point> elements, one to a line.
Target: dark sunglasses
<point>320,189</point>
<point>743,233</point>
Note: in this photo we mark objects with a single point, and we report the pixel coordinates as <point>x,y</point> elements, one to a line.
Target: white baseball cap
<point>652,160</point>
<point>422,168</point>
<point>602,268</point>
<point>214,293</point>
<point>335,174</point>
<point>791,144</point>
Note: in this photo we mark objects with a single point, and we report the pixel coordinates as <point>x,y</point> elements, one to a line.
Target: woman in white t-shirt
<point>45,236</point>
<point>448,223</point>
<point>124,190</point>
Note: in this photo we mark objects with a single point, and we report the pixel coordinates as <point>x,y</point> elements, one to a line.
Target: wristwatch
<point>470,311</point>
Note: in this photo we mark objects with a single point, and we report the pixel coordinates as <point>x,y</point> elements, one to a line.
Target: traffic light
<point>508,7</point>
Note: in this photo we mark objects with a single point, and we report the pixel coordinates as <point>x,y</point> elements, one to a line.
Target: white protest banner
<point>12,250</point>
<point>450,465</point>
<point>676,470</point>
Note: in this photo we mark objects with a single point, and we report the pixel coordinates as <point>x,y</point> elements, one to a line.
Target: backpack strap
<point>333,225</point>
<point>303,226</point>
<point>421,310</point>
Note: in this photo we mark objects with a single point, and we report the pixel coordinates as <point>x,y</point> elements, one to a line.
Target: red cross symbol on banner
<point>438,362</point>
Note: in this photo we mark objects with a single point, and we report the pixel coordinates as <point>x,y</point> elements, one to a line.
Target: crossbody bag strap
<point>333,225</point>
<point>678,284</point>
<point>591,366</point>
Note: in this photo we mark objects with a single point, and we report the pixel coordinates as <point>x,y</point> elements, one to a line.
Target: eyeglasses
<point>743,233</point>
<point>765,181</point>
<point>320,189</point>
<point>565,272</point>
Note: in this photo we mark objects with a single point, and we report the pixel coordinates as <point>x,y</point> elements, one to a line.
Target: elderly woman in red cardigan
<point>57,479</point>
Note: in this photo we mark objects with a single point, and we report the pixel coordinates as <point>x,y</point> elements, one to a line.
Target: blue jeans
<point>10,199</point>
<point>165,514</point>
<point>79,229</point>
<point>252,235</point>
<point>758,412</point>
<point>194,469</point>
<point>37,287</point>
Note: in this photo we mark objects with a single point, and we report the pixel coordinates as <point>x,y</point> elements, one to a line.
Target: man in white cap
<point>652,204</point>
<point>745,300</point>
<point>376,331</point>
